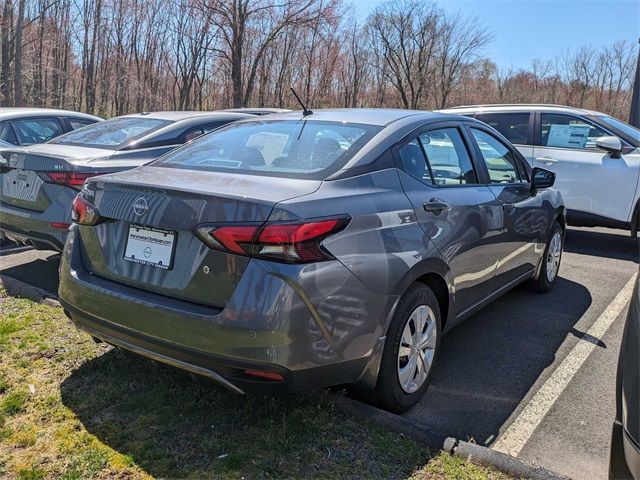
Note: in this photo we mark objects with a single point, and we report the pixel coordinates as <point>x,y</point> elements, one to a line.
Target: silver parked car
<point>38,183</point>
<point>27,126</point>
<point>297,252</point>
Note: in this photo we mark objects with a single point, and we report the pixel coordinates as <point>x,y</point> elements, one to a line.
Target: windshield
<point>625,128</point>
<point>111,134</point>
<point>298,149</point>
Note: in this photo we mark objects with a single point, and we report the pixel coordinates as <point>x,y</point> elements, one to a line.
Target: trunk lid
<point>168,203</point>
<point>25,181</point>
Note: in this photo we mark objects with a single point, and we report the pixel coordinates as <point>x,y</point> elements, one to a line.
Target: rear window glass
<point>298,149</point>
<point>513,126</point>
<point>112,134</point>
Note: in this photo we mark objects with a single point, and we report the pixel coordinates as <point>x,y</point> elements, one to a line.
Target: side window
<point>191,134</point>
<point>447,157</point>
<point>210,127</point>
<point>566,131</point>
<point>79,122</point>
<point>414,162</point>
<point>513,126</point>
<point>36,130</point>
<point>500,161</point>
<point>6,133</point>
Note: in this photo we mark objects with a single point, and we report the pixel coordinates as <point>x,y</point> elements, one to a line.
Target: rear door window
<point>76,123</point>
<point>513,126</point>
<point>500,160</point>
<point>7,134</point>
<point>448,159</point>
<point>36,130</point>
<point>567,131</point>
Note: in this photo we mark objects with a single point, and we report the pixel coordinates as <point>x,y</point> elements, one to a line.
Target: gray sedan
<point>294,252</point>
<point>38,183</point>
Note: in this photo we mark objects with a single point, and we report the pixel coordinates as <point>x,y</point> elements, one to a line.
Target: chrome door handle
<point>435,206</point>
<point>546,160</point>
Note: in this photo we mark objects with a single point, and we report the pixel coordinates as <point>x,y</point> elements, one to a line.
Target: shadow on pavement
<point>618,245</point>
<point>41,272</point>
<point>490,361</point>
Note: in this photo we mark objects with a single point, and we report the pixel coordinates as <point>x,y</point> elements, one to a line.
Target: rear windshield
<point>112,134</point>
<point>298,148</point>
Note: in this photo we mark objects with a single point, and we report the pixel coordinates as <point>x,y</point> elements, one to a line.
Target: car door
<point>591,181</point>
<point>520,243</point>
<point>458,213</point>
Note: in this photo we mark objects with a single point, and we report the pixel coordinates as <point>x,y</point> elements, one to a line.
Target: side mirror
<point>611,144</point>
<point>541,178</point>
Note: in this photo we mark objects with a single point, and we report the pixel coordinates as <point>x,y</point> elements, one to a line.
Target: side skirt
<point>466,313</point>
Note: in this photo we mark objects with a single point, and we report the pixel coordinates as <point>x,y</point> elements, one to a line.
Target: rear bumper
<point>624,460</point>
<point>34,228</point>
<point>273,322</point>
<point>228,372</point>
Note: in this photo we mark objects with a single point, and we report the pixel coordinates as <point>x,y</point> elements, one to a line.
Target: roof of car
<point>257,110</point>
<point>7,113</point>
<point>513,107</point>
<point>183,115</point>
<point>368,116</point>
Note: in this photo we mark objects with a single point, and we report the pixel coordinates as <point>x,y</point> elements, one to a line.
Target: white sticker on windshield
<point>568,136</point>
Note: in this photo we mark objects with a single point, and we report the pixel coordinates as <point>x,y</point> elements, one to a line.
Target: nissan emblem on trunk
<point>140,206</point>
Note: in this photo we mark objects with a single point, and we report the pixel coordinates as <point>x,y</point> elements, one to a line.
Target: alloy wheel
<point>417,349</point>
<point>553,256</point>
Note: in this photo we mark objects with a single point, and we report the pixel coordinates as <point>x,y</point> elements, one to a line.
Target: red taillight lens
<point>83,212</point>
<point>294,243</point>
<point>69,179</point>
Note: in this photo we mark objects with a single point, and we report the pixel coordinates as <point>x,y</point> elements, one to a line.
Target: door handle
<point>508,206</point>
<point>546,160</point>
<point>435,206</point>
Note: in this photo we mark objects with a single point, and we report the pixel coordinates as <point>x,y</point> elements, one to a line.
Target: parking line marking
<point>516,436</point>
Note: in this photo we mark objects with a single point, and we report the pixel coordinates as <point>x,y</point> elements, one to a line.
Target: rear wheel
<point>410,350</point>
<point>551,260</point>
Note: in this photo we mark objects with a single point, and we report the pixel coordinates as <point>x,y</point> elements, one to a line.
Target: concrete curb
<point>431,439</point>
<point>352,407</point>
<point>18,288</point>
<point>499,461</point>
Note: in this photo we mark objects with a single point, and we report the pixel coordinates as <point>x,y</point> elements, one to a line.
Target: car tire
<point>551,260</point>
<point>404,375</point>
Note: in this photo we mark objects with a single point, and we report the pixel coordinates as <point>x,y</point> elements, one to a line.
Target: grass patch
<point>13,403</point>
<point>71,409</point>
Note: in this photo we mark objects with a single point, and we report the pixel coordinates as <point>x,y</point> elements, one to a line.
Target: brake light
<point>69,179</point>
<point>83,212</point>
<point>288,242</point>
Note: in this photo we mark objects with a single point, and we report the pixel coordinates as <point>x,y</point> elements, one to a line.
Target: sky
<point>525,30</point>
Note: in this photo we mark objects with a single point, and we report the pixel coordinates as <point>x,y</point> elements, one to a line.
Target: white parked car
<point>596,157</point>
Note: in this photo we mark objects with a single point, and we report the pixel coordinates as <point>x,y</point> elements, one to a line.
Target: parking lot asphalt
<point>493,365</point>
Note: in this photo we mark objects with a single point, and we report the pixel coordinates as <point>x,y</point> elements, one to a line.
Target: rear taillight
<point>83,212</point>
<point>286,242</point>
<point>69,179</point>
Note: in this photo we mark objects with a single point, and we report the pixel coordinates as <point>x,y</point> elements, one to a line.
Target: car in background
<point>295,252</point>
<point>624,457</point>
<point>27,126</point>
<point>257,110</point>
<point>595,157</point>
<point>38,183</point>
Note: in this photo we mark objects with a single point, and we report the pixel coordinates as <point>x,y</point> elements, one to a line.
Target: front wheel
<point>551,260</point>
<point>410,350</point>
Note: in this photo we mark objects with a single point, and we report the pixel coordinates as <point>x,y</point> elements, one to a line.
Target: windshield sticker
<point>568,136</point>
